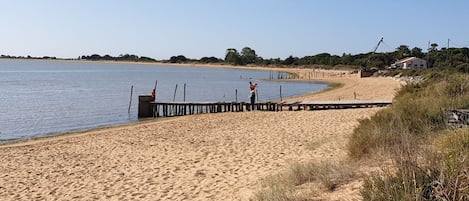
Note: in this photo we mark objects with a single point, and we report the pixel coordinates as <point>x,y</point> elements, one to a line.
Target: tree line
<point>3,56</point>
<point>437,58</point>
<point>122,57</point>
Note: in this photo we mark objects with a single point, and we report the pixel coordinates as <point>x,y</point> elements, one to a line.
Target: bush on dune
<point>408,131</point>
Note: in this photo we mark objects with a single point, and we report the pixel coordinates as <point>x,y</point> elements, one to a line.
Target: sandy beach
<point>201,157</point>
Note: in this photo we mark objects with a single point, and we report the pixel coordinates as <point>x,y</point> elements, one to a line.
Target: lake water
<point>39,98</point>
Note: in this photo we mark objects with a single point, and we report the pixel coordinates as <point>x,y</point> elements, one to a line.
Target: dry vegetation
<point>428,160</point>
<point>283,186</point>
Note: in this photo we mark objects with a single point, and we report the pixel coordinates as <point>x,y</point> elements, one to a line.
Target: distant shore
<point>209,65</point>
<point>202,157</point>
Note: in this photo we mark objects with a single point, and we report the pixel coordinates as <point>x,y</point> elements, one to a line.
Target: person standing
<point>252,86</point>
<point>252,94</point>
<point>153,94</point>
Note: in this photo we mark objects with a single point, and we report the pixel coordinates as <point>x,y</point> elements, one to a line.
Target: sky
<point>197,28</point>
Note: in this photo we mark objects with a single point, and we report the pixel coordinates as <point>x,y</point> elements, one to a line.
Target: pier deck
<point>170,109</point>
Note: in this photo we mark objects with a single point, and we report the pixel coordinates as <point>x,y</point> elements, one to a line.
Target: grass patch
<point>281,187</point>
<point>441,174</point>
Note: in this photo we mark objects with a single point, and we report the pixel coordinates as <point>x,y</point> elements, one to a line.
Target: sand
<point>201,157</point>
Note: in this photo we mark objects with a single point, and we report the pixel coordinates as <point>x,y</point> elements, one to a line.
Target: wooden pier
<point>171,109</point>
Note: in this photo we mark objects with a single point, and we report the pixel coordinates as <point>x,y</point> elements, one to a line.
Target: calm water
<point>40,98</point>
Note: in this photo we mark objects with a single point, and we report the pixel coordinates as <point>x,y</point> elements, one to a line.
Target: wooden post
<point>130,102</point>
<point>257,95</point>
<point>175,90</point>
<point>236,95</point>
<point>281,98</point>
<point>156,84</point>
<point>184,92</point>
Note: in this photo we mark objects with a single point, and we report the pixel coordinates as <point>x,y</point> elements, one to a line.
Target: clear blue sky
<point>196,28</point>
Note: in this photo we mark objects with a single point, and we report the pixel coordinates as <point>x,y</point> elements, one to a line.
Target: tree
<point>232,56</point>
<point>432,54</point>
<point>379,60</point>
<point>291,60</point>
<point>146,59</point>
<point>107,57</point>
<point>346,59</point>
<point>177,59</point>
<point>402,51</point>
<point>433,47</point>
<point>417,52</point>
<point>128,57</point>
<point>248,55</point>
<point>210,60</point>
<point>94,57</point>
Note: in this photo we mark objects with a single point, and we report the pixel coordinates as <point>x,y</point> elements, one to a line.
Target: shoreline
<point>332,85</point>
<point>78,132</point>
<point>50,136</point>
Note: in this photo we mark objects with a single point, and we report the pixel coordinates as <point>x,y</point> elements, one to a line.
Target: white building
<point>410,63</point>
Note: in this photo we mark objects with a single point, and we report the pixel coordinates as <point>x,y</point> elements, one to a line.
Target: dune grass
<point>282,186</point>
<point>430,161</point>
<point>409,131</point>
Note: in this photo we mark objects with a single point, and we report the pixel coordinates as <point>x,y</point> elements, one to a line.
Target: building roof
<point>408,59</point>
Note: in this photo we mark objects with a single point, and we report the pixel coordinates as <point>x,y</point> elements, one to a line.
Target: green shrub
<point>416,117</point>
<point>418,113</point>
<point>418,109</point>
<point>407,115</point>
<point>439,175</point>
<point>411,88</point>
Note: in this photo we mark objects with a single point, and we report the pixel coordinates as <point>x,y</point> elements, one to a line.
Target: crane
<point>379,43</point>
<point>365,71</point>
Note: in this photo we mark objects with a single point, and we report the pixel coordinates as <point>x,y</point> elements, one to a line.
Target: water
<point>39,98</point>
